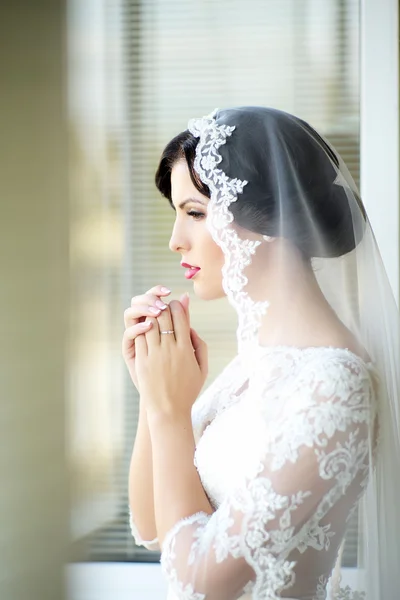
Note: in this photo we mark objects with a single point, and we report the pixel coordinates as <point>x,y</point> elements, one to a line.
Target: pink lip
<point>191,271</point>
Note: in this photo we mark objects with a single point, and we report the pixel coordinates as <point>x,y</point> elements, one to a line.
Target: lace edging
<point>149,544</point>
<point>224,191</point>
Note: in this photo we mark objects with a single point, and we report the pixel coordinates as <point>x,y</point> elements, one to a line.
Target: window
<point>139,69</point>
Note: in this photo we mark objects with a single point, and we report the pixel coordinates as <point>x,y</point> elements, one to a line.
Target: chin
<point>208,292</point>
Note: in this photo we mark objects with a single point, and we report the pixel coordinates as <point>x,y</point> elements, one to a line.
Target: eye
<point>196,215</point>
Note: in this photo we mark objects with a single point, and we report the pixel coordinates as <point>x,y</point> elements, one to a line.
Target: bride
<point>247,489</point>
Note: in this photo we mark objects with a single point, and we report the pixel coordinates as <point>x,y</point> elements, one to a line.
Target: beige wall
<point>33,300</point>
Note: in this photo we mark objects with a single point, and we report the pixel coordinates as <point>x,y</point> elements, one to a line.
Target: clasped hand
<point>171,367</point>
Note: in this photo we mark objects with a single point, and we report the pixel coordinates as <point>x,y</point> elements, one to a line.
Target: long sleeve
<point>312,469</point>
<point>139,541</point>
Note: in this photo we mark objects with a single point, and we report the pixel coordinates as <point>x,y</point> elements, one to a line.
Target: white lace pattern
<point>283,443</point>
<point>287,496</point>
<point>224,190</point>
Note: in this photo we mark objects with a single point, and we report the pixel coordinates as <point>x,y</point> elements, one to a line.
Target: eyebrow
<point>195,200</point>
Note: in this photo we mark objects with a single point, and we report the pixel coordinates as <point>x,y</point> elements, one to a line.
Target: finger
<point>153,334</point>
<point>159,290</point>
<point>185,303</point>
<point>200,351</point>
<point>131,334</point>
<point>180,322</point>
<point>141,307</point>
<point>149,300</point>
<point>165,324</point>
<point>138,312</point>
<point>141,346</point>
<point>145,299</point>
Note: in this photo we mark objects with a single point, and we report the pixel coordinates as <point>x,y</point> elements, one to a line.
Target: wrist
<point>166,418</point>
<point>170,432</point>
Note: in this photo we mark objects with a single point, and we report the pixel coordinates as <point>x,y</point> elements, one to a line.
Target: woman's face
<point>191,238</point>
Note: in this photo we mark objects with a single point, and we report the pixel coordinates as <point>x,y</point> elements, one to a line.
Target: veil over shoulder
<point>320,436</point>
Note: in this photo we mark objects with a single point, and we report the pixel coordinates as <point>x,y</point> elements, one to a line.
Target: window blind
<point>176,60</point>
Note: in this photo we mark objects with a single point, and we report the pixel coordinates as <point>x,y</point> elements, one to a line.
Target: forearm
<point>178,491</point>
<point>141,497</point>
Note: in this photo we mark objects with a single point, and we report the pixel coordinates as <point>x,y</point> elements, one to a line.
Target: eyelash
<point>196,215</point>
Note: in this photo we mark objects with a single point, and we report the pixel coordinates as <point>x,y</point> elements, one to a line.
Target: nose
<point>178,241</point>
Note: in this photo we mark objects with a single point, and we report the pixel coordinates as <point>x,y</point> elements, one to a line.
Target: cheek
<point>209,287</point>
<point>212,252</point>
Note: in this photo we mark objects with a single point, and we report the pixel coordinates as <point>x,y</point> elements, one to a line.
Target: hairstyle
<point>181,146</point>
<point>307,199</point>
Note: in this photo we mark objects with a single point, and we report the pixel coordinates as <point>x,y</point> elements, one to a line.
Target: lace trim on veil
<point>238,255</point>
<point>224,190</point>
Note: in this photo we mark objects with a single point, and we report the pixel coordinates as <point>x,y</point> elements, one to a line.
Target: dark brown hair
<point>181,146</point>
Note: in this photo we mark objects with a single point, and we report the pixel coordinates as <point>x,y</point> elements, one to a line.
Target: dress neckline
<point>261,350</point>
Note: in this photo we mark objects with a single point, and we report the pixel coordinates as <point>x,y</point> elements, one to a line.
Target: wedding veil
<point>281,196</point>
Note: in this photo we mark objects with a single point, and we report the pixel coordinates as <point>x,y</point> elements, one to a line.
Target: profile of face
<point>191,237</point>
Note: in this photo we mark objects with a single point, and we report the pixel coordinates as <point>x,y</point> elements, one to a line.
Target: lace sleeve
<point>149,544</point>
<point>263,537</point>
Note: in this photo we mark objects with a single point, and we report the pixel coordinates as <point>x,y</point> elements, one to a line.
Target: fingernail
<point>165,290</point>
<point>154,310</point>
<point>145,325</point>
<point>160,304</point>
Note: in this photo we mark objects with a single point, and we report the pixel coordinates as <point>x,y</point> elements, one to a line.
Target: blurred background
<point>91,92</point>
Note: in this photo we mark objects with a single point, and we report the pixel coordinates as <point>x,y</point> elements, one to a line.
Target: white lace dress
<point>283,444</point>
